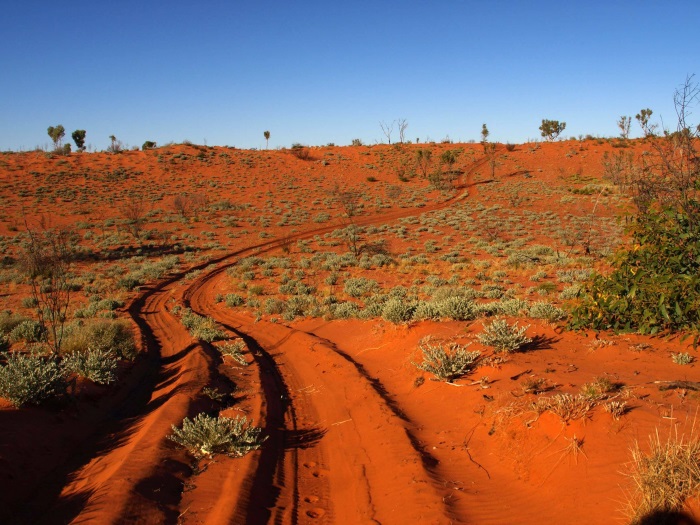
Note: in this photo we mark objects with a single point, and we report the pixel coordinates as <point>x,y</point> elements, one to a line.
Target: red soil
<point>353,437</point>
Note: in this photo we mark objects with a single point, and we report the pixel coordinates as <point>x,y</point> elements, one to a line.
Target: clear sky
<point>221,73</point>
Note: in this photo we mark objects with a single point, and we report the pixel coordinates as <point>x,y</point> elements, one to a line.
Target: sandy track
<point>317,453</point>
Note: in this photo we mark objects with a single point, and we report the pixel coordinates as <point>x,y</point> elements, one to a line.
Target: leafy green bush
<point>447,364</point>
<point>504,337</point>
<point>205,436</point>
<point>99,366</point>
<point>31,379</point>
<point>655,286</point>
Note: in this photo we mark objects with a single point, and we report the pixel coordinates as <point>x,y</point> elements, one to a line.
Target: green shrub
<point>205,436</point>
<point>547,311</point>
<point>232,300</point>
<point>28,330</point>
<point>31,379</point>
<point>426,310</point>
<point>504,337</point>
<point>202,328</point>
<point>234,350</point>
<point>653,287</point>
<point>447,364</point>
<point>359,286</point>
<point>397,310</point>
<point>115,337</point>
<point>9,321</point>
<point>99,366</point>
<point>273,306</point>
<point>458,308</point>
<point>344,310</point>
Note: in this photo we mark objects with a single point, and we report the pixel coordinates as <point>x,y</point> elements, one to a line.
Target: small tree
<point>134,212</point>
<point>47,256</point>
<point>56,133</point>
<point>266,134</point>
<point>643,118</point>
<point>624,125</point>
<point>115,145</point>
<point>149,144</point>
<point>551,129</point>
<point>403,124</point>
<point>387,129</point>
<point>79,139</point>
<point>424,160</point>
<point>490,151</point>
<point>484,133</point>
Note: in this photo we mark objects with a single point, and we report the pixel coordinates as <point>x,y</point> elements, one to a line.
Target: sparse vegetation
<point>447,363</point>
<point>664,475</point>
<point>504,337</point>
<point>205,436</point>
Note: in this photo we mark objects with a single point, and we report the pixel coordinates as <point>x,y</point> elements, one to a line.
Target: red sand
<point>353,437</point>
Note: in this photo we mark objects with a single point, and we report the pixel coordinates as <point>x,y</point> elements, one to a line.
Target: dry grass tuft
<point>665,476</point>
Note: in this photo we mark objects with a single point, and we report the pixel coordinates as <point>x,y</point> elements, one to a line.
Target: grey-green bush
<point>31,379</point>
<point>205,436</point>
<point>99,366</point>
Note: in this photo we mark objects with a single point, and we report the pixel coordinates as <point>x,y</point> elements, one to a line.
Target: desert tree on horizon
<point>266,134</point>
<point>79,139</point>
<point>56,133</point>
<point>551,129</point>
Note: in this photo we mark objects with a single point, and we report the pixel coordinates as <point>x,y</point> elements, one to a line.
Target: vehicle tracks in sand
<point>140,477</point>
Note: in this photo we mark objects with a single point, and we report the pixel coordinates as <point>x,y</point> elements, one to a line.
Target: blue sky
<point>319,72</point>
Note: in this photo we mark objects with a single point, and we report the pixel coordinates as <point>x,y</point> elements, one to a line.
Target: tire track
<point>137,463</point>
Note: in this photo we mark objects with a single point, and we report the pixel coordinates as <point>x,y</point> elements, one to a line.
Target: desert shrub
<point>359,286</point>
<point>294,287</point>
<point>232,300</point>
<point>234,350</point>
<point>149,144</point>
<point>31,379</point>
<point>457,308</point>
<point>99,366</point>
<point>426,310</point>
<point>202,328</point>
<point>115,337</point>
<point>273,306</point>
<point>665,476</point>
<point>374,305</point>
<point>512,307</point>
<point>504,337</point>
<point>570,292</point>
<point>510,147</point>
<point>682,358</point>
<point>344,310</point>
<point>598,389</point>
<point>28,330</point>
<point>487,309</point>
<point>9,321</point>
<point>547,311</point>
<point>566,406</point>
<point>295,306</point>
<point>653,287</point>
<point>397,310</point>
<point>447,364</point>
<point>205,436</point>
<point>301,152</point>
